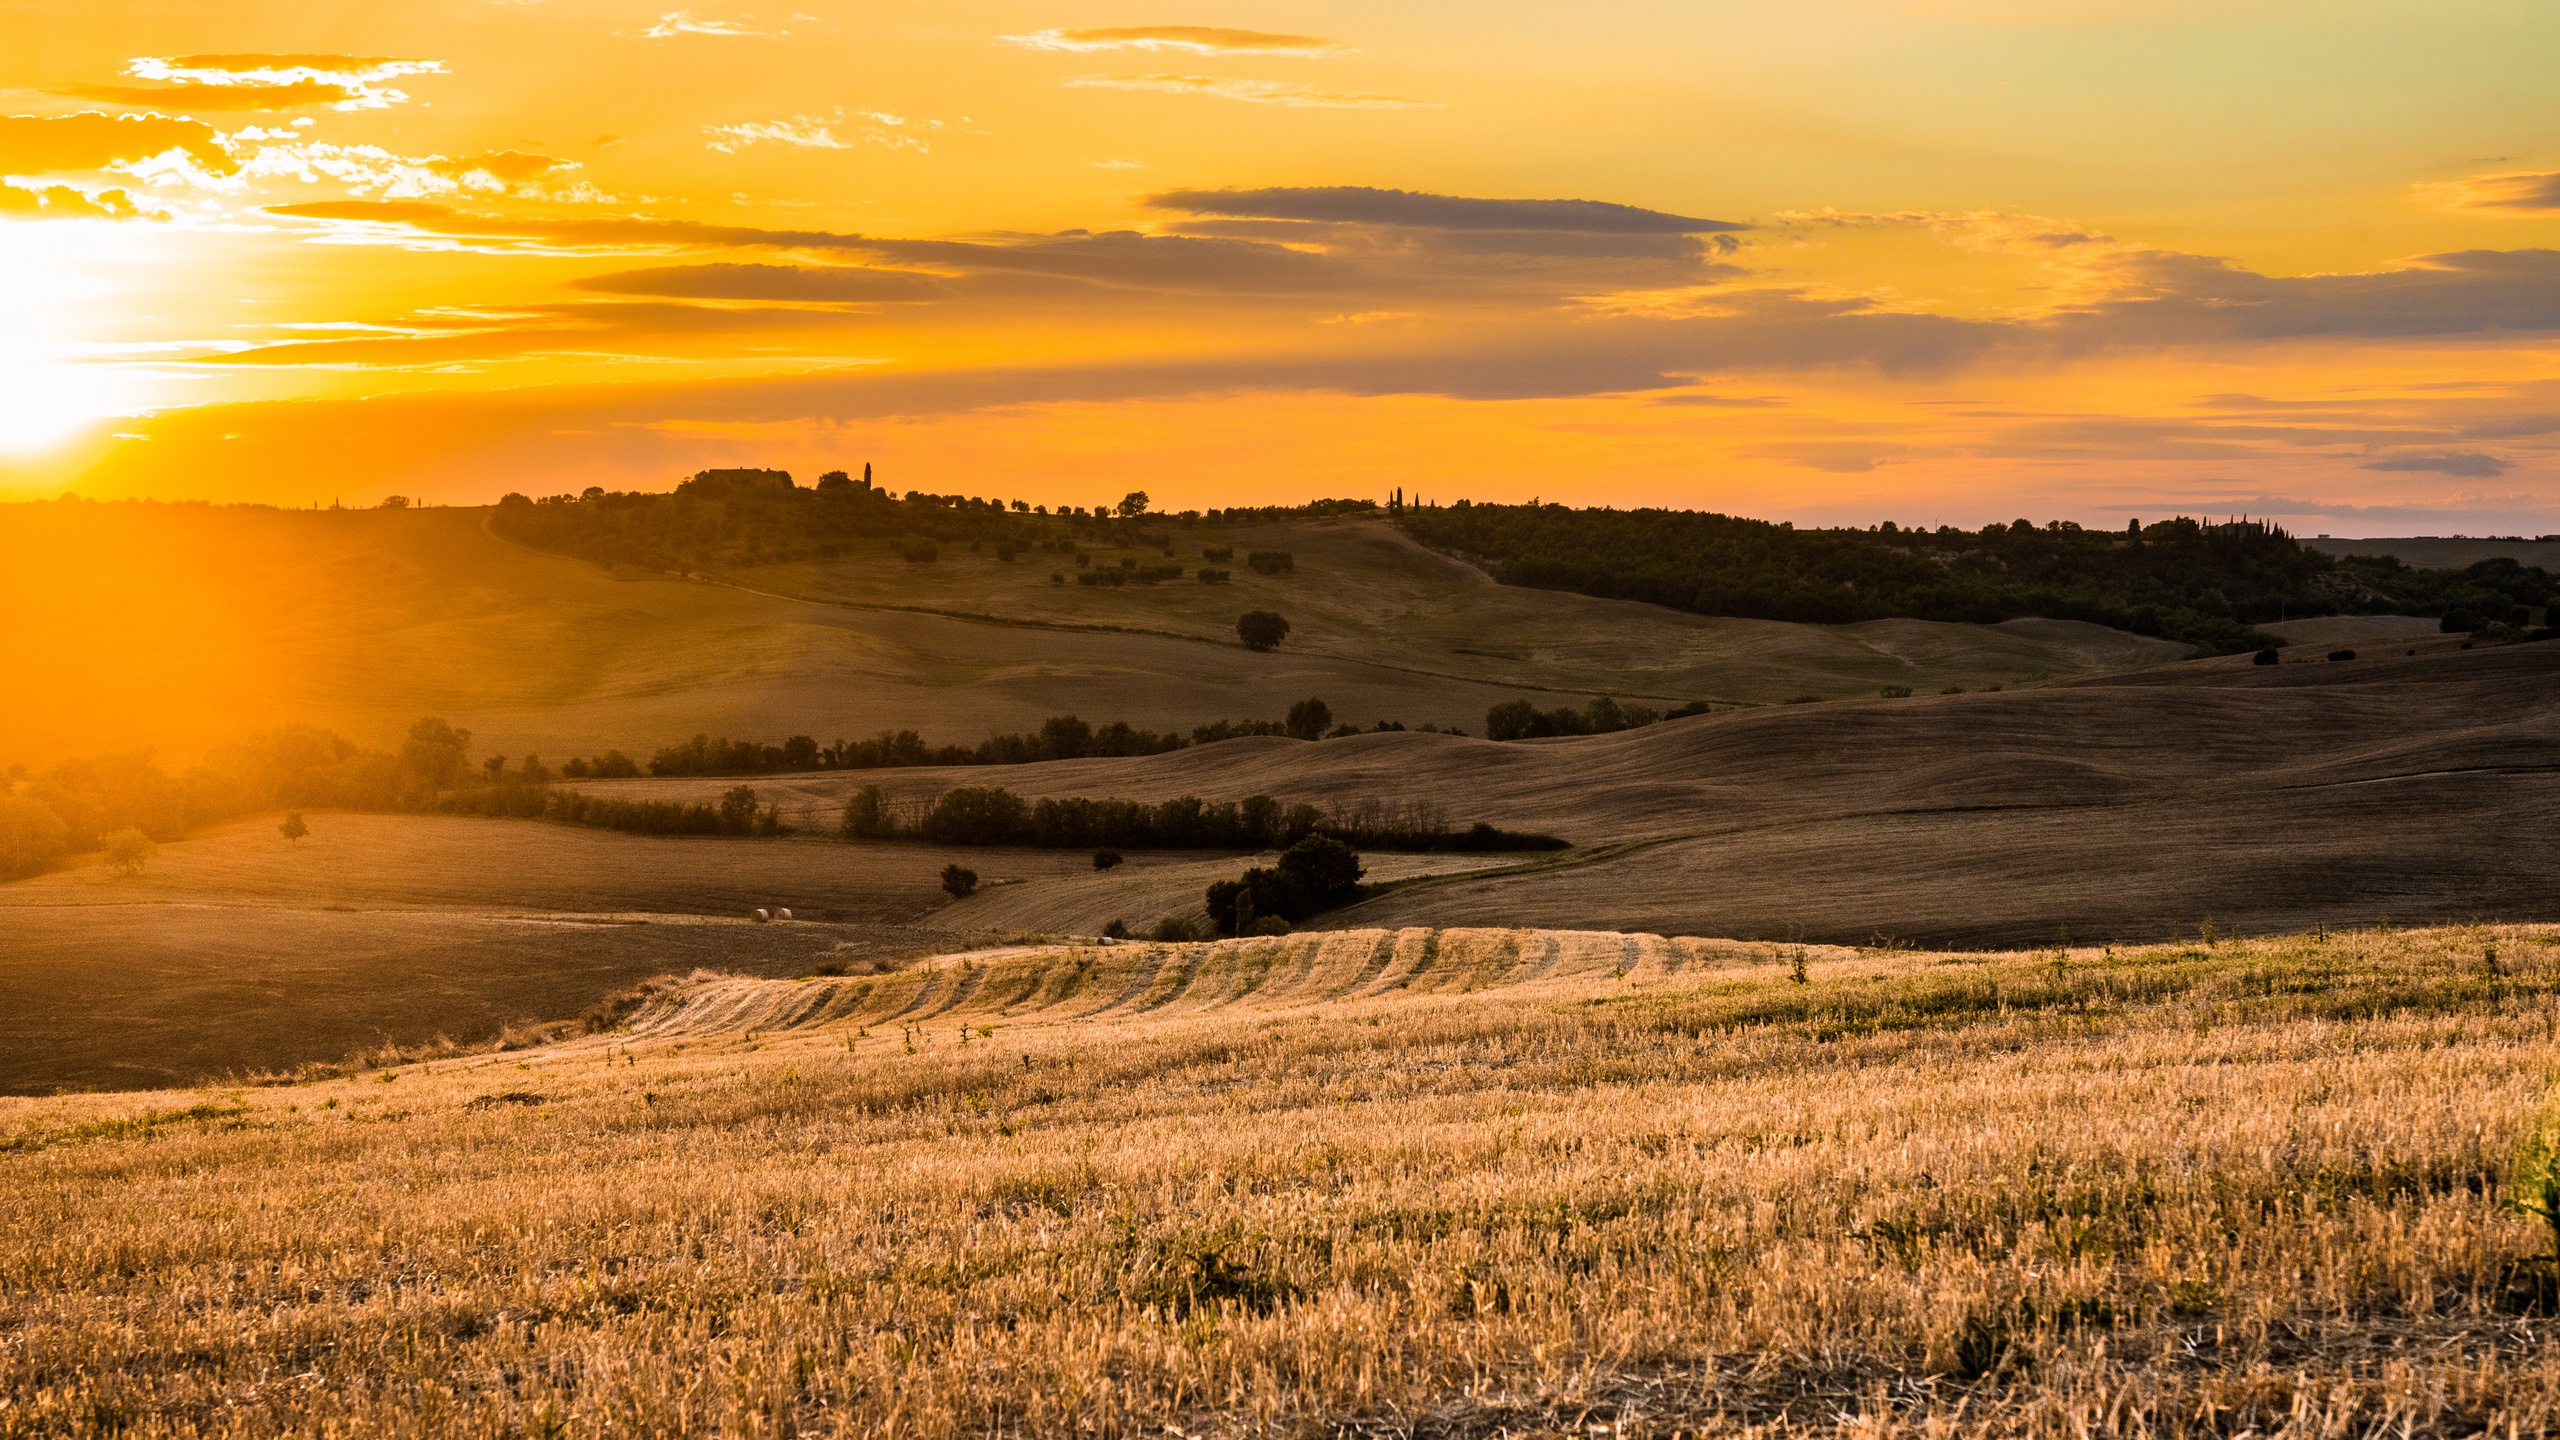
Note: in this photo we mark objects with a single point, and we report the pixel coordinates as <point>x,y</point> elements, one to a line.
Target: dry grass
<point>1413,1183</point>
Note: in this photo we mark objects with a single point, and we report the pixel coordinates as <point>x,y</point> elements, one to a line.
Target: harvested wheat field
<point>1416,1182</point>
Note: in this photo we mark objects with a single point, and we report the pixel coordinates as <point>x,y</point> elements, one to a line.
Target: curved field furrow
<point>1156,980</point>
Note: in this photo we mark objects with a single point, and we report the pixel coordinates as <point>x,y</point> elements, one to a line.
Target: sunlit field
<point>1418,1182</point>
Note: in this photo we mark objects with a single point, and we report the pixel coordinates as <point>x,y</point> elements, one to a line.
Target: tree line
<point>1061,737</point>
<point>2207,585</point>
<point>993,815</point>
<point>76,806</point>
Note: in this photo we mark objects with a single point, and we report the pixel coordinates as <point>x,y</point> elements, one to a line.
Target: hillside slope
<point>2265,797</point>
<point>173,626</point>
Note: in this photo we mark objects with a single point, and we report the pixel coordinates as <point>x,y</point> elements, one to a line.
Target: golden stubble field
<point>1415,1182</point>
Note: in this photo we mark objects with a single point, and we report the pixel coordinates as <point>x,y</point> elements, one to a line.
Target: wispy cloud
<point>810,132</point>
<point>1368,205</point>
<point>94,140</point>
<point>62,202</point>
<point>1186,39</point>
<point>685,22</point>
<point>261,82</point>
<point>2521,192</point>
<point>1253,92</point>
<point>370,170</point>
<point>2468,463</point>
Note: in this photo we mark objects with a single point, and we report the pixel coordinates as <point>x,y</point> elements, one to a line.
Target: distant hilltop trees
<point>2208,585</point>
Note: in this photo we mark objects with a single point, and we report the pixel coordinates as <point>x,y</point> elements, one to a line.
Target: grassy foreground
<point>1373,1182</point>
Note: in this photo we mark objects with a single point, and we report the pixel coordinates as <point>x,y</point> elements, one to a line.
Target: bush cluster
<point>1315,874</point>
<point>1521,720</point>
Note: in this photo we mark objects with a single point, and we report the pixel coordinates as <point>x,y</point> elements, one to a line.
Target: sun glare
<point>53,304</point>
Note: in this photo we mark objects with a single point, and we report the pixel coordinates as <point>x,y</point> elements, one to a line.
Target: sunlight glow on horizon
<point>1992,257</point>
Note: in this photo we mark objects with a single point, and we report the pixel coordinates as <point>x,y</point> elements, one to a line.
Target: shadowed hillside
<point>2263,797</point>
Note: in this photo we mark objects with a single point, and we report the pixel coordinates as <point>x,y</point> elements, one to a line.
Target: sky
<point>1832,261</point>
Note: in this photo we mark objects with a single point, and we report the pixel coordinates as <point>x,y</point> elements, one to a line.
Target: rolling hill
<point>176,626</point>
<point>2414,787</point>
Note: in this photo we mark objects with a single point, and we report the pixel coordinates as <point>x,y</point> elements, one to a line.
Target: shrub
<point>1105,859</point>
<point>959,881</point>
<point>920,552</point>
<point>1270,925</point>
<point>1175,930</point>
<point>1212,577</point>
<point>1325,867</point>
<point>1271,562</point>
<point>2267,656</point>
<point>2342,654</point>
<point>1895,692</point>
<point>1261,629</point>
<point>1308,718</point>
<point>866,815</point>
<point>1220,553</point>
<point>1116,930</point>
<point>128,850</point>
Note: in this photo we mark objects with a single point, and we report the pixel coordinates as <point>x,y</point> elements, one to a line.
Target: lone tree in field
<point>293,829</point>
<point>129,850</point>
<point>1133,505</point>
<point>1308,719</point>
<point>960,881</point>
<point>1261,629</point>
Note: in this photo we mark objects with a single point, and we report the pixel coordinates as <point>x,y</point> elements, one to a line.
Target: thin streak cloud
<point>1186,39</point>
<point>685,22</point>
<point>1291,93</point>
<point>2516,193</point>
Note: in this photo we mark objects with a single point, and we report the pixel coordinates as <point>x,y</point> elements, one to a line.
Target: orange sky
<point>1840,260</point>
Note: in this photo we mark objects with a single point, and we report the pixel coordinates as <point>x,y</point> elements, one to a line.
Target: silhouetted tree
<point>1133,505</point>
<point>866,815</point>
<point>1105,859</point>
<point>1309,717</point>
<point>1261,629</point>
<point>293,828</point>
<point>431,759</point>
<point>1324,867</point>
<point>738,810</point>
<point>960,881</point>
<point>128,850</point>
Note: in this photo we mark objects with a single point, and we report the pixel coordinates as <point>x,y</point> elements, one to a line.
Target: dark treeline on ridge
<point>1061,737</point>
<point>992,815</point>
<point>2206,584</point>
<point>73,807</point>
<point>726,518</point>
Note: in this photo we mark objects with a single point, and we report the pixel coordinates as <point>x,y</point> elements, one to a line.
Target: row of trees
<point>721,519</point>
<point>72,807</point>
<point>993,815</point>
<point>1522,720</point>
<point>1061,737</point>
<point>2206,584</point>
